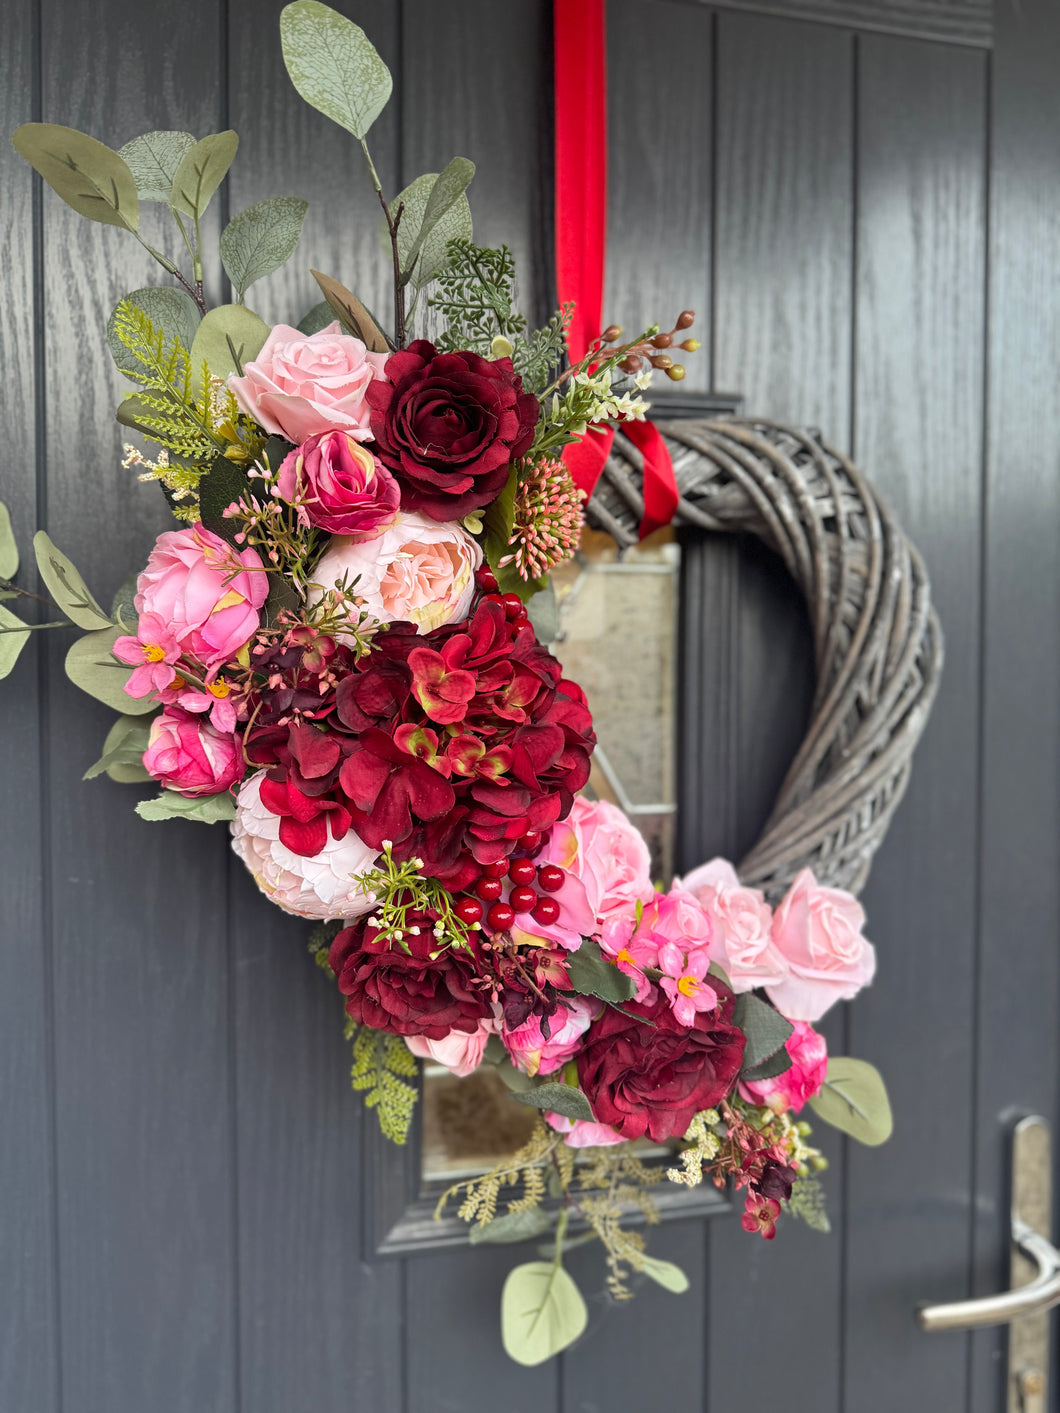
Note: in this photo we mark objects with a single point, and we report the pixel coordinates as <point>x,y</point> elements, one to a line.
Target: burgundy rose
<point>449,425</point>
<point>408,993</point>
<point>655,1078</point>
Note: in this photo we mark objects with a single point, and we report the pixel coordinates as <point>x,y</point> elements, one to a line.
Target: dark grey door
<point>862,201</point>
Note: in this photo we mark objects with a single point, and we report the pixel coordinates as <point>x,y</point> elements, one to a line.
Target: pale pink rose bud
<point>302,384</point>
<point>417,571</point>
<point>185,753</point>
<point>742,945</point>
<point>206,591</point>
<point>817,931</point>
<point>340,485</point>
<point>532,1052</point>
<point>809,1068</point>
<point>460,1054</point>
<point>583,1134</point>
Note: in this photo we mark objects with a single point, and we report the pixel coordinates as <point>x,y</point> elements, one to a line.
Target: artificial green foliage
<point>172,312</point>
<point>66,585</point>
<point>91,665</point>
<point>563,1099</point>
<point>201,171</point>
<point>320,940</point>
<point>807,1202</point>
<point>766,1031</point>
<point>122,758</point>
<point>542,1312</point>
<point>206,809</point>
<point>383,1065</point>
<point>88,175</point>
<point>424,236</point>
<point>165,407</point>
<point>261,239</point>
<point>348,309</point>
<point>14,635</point>
<point>8,545</point>
<point>854,1100</point>
<point>334,65</point>
<point>227,339</point>
<point>515,1226</point>
<point>664,1273</point>
<point>591,975</point>
<point>153,160</point>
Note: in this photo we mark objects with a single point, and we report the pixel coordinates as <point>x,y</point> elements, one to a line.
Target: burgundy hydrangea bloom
<point>449,425</point>
<point>408,993</point>
<point>655,1078</point>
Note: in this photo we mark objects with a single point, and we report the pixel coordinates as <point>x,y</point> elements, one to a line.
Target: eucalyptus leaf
<point>227,339</point>
<point>88,175</point>
<point>542,1312</point>
<point>129,411</point>
<point>91,666</point>
<point>557,1099</point>
<point>765,1028</point>
<point>448,186</point>
<point>349,309</point>
<point>664,1273</point>
<point>854,1100</point>
<point>422,260</point>
<point>123,605</point>
<point>319,317</point>
<point>261,239</point>
<point>11,643</point>
<point>8,545</point>
<point>207,809</point>
<point>123,749</point>
<point>201,171</point>
<point>66,586</point>
<point>153,161</point>
<point>334,65</point>
<point>170,309</point>
<point>591,975</point>
<point>515,1226</point>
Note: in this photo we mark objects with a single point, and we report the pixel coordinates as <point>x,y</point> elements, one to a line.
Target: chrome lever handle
<point>1041,1294</point>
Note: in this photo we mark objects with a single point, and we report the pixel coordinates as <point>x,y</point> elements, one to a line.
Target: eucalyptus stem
<point>35,627</point>
<point>561,1232</point>
<point>392,223</point>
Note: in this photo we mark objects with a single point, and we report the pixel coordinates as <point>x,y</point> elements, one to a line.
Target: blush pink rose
<point>583,1134</point>
<point>460,1054</point>
<point>206,591</point>
<point>185,753</point>
<point>530,1051</point>
<point>743,943</point>
<point>302,384</point>
<point>339,485</point>
<point>416,571</point>
<point>818,933</point>
<point>790,1090</point>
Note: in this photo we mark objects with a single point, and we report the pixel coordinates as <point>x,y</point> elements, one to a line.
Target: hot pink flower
<point>152,652</point>
<point>790,1090</point>
<point>185,753</point>
<point>583,1134</point>
<point>674,919</point>
<point>818,933</point>
<point>340,485</point>
<point>461,1054</point>
<point>760,1215</point>
<point>530,1050</point>
<point>206,591</point>
<point>302,384</point>
<point>682,980</point>
<point>742,917</point>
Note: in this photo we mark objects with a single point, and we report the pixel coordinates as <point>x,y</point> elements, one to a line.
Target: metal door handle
<point>1042,1293</point>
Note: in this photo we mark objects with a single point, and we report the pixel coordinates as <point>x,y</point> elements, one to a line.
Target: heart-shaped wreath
<point>336,653</point>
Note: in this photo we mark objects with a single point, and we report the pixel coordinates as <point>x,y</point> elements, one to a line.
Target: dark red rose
<point>655,1078</point>
<point>408,993</point>
<point>449,425</point>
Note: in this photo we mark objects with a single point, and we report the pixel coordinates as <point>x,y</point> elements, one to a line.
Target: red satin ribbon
<point>580,56</point>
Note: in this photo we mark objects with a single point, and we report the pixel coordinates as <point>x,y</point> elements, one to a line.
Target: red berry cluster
<point>523,898</point>
<point>514,608</point>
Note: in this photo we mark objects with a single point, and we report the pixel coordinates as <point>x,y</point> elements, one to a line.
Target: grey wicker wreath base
<point>877,640</point>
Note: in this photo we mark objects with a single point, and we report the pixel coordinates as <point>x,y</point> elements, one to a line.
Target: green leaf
<point>665,1273</point>
<point>319,317</point>
<point>123,751</point>
<point>497,521</point>
<point>542,1312</point>
<point>88,175</point>
<point>854,1100</point>
<point>8,545</point>
<point>123,605</point>
<point>592,975</point>
<point>448,187</point>
<point>807,1202</point>
<point>544,614</point>
<point>91,666</point>
<point>11,644</point>
<point>557,1099</point>
<point>354,316</point>
<point>778,1063</point>
<point>207,809</point>
<point>334,65</point>
<point>261,239</point>
<point>422,260</point>
<point>66,586</point>
<point>765,1028</point>
<point>516,1226</point>
<point>153,161</point>
<point>224,483</point>
<point>201,171</point>
<point>227,339</point>
<point>169,309</point>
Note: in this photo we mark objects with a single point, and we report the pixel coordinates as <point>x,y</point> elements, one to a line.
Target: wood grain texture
<point>919,377</point>
<point>953,21</point>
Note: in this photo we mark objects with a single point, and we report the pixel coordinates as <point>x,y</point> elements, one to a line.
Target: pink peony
<point>674,930</point>
<point>185,753</point>
<point>817,931</point>
<point>320,887</point>
<point>416,571</point>
<point>302,384</point>
<point>790,1090</point>
<point>206,591</point>
<point>742,917</point>
<point>583,1134</point>
<point>339,485</point>
<point>529,1049</point>
<point>459,1053</point>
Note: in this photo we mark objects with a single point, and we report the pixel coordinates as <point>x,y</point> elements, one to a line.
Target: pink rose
<point>339,485</point>
<point>417,571</point>
<point>302,384</point>
<point>207,592</point>
<point>459,1053</point>
<point>529,1049</point>
<point>674,934</point>
<point>185,753</point>
<point>583,1134</point>
<point>790,1090</point>
<point>743,945</point>
<point>818,933</point>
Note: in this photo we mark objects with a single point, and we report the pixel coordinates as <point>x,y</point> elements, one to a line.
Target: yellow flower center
<point>688,986</point>
<point>624,956</point>
<point>153,653</point>
<point>220,688</point>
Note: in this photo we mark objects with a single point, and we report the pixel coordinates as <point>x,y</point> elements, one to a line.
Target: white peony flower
<point>320,887</point>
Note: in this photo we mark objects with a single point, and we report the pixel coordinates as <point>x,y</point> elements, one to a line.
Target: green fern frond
<point>807,1202</point>
<point>382,1067</point>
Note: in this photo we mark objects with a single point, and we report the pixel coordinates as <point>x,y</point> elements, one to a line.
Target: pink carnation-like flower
<point>675,923</point>
<point>809,1068</point>
<point>205,591</point>
<point>529,1049</point>
<point>320,886</point>
<point>583,1134</point>
<point>152,652</point>
<point>302,384</point>
<point>742,943</point>
<point>185,753</point>
<point>818,933</point>
<point>416,571</point>
<point>340,485</point>
<point>682,980</point>
<point>461,1054</point>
